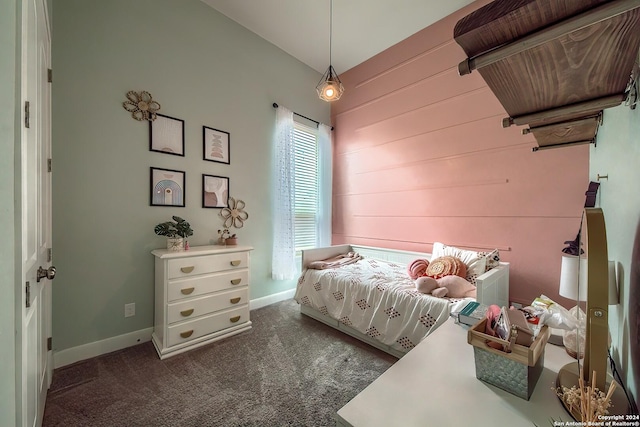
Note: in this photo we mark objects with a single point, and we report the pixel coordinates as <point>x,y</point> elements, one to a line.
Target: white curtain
<point>325,157</point>
<point>283,266</point>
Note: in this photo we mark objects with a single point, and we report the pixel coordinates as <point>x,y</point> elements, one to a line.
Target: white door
<point>35,189</point>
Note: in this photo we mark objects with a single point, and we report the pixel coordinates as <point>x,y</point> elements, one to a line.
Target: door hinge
<point>28,292</point>
<point>49,344</point>
<point>26,114</point>
<point>49,75</point>
<point>49,165</point>
<point>49,254</point>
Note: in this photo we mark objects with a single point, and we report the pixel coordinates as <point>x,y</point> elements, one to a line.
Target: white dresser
<point>201,296</point>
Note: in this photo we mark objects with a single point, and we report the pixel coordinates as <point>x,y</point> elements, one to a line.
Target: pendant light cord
<point>330,29</point>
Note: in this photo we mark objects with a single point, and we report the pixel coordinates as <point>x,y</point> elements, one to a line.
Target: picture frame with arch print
<point>167,187</point>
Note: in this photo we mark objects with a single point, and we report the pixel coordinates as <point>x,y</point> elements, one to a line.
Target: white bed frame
<point>492,286</point>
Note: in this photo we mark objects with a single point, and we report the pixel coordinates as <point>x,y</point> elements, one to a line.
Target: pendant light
<point>330,87</point>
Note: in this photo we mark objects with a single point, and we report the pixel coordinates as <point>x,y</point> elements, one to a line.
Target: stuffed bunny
<point>451,286</point>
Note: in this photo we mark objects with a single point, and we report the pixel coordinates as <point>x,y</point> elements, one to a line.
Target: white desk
<point>435,385</point>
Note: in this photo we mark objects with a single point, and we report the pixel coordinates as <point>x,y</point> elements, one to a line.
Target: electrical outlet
<point>130,309</point>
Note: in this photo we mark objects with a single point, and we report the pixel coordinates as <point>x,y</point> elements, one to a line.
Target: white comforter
<point>376,298</point>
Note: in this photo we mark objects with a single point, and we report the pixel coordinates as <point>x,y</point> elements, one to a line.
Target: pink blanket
<point>336,261</point>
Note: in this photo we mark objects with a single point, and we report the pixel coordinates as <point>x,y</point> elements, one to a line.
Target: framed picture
<point>215,191</point>
<point>167,187</point>
<point>166,135</point>
<point>215,145</point>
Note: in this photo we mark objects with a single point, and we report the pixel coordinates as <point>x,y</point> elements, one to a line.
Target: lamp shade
<point>330,88</point>
<point>573,282</point>
<point>573,275</point>
<point>614,299</point>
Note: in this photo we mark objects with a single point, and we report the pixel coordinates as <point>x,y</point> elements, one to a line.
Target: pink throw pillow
<point>417,268</point>
<point>445,266</point>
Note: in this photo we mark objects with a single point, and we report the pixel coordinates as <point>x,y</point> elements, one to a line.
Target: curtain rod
<point>300,115</point>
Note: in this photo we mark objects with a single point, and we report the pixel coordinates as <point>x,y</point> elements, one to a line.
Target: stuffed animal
<point>451,286</point>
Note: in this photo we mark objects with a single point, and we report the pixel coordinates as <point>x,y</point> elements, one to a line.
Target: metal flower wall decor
<point>141,105</point>
<point>234,215</point>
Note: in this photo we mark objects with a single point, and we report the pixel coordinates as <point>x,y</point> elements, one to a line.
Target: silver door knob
<point>46,273</point>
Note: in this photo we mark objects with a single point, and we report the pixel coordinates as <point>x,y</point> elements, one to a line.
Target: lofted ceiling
<point>361,28</point>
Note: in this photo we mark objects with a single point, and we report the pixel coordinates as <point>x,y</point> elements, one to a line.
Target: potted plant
<point>175,231</point>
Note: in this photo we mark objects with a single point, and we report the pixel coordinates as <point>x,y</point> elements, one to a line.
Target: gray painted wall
<point>617,155</point>
<point>8,279</point>
<point>202,68</point>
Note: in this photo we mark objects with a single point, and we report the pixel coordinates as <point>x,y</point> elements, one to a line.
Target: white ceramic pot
<point>175,243</point>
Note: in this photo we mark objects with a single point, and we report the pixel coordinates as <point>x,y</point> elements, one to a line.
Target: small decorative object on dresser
<point>176,232</point>
<point>225,238</point>
<point>201,296</point>
<point>223,235</point>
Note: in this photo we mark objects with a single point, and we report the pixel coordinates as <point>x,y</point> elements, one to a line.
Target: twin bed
<point>376,301</point>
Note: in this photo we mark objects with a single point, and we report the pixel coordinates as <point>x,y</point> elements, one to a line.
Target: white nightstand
<point>201,296</point>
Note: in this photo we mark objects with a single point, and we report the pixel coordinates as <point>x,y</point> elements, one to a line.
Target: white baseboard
<point>98,348</point>
<point>271,299</point>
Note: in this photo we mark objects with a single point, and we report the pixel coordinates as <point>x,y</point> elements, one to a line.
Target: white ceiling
<point>361,28</point>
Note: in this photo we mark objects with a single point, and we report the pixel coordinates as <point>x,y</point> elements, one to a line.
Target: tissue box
<point>516,372</point>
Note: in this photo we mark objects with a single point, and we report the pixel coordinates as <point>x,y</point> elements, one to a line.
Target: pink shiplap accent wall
<point>421,156</point>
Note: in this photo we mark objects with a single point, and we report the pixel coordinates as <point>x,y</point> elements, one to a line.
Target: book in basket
<point>472,313</point>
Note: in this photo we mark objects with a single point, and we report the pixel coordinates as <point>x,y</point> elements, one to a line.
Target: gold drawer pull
<point>187,313</point>
<point>235,281</point>
<point>236,262</point>
<point>186,291</point>
<point>234,300</point>
<point>187,269</point>
<point>186,334</point>
<point>234,319</point>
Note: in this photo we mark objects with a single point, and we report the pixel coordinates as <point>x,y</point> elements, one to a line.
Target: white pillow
<point>476,262</point>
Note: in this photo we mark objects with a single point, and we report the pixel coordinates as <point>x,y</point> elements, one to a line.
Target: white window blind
<point>306,187</point>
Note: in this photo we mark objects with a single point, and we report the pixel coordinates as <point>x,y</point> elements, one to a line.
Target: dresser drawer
<point>187,288</point>
<point>191,266</point>
<point>187,331</point>
<point>200,306</point>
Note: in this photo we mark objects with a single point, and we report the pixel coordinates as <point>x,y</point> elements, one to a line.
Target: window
<point>306,186</point>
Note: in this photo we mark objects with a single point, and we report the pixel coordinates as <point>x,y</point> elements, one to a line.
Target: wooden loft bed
<point>554,65</point>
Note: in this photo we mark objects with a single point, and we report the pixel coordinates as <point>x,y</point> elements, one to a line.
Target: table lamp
<point>594,278</point>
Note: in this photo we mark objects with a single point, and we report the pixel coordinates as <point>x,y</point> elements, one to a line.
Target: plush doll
<point>451,286</point>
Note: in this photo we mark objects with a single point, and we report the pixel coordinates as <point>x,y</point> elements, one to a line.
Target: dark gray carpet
<point>289,370</point>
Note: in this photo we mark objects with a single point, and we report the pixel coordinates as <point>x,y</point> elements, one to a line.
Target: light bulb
<point>329,89</point>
